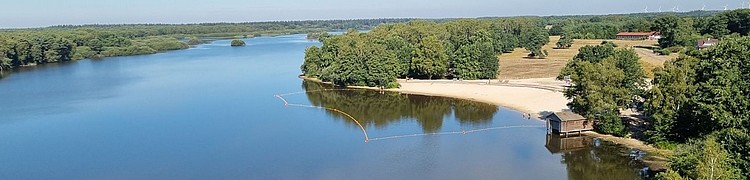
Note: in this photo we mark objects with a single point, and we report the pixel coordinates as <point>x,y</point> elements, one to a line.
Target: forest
<point>28,47</point>
<point>697,105</point>
<point>463,49</point>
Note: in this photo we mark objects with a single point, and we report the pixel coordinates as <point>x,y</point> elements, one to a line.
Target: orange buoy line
<point>453,132</point>
<point>361,127</point>
<point>367,138</point>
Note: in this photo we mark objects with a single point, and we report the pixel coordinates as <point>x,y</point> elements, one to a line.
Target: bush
<point>609,43</point>
<point>665,52</point>
<point>669,175</point>
<point>391,85</point>
<point>194,41</point>
<point>675,49</point>
<point>565,42</point>
<point>83,52</point>
<point>610,123</point>
<point>238,42</point>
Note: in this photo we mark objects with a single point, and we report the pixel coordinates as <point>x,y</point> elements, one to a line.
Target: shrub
<point>610,123</point>
<point>665,52</point>
<point>238,42</point>
<point>194,41</point>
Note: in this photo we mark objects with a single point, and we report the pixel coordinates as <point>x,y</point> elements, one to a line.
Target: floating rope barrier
<point>364,131</point>
<point>452,132</point>
<point>361,127</point>
<point>301,92</point>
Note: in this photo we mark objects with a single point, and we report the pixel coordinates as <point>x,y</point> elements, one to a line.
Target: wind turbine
<point>645,10</point>
<point>659,8</point>
<point>726,7</point>
<point>704,7</point>
<point>675,9</point>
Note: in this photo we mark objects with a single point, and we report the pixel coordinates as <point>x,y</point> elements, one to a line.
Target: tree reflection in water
<point>373,108</point>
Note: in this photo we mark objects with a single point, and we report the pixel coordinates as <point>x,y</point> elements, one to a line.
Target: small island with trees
<point>238,43</point>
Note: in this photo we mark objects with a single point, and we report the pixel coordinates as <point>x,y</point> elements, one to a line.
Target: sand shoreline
<point>526,96</point>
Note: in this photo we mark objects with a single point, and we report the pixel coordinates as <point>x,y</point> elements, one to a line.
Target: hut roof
<point>567,116</point>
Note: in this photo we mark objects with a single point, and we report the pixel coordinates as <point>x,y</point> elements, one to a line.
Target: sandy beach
<point>537,97</point>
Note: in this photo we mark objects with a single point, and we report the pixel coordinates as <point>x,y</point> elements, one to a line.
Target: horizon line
<point>334,19</point>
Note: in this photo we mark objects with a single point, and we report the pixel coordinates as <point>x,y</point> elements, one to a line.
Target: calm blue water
<point>210,113</point>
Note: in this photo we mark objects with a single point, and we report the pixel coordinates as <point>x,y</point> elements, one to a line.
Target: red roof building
<point>639,35</point>
<point>705,43</point>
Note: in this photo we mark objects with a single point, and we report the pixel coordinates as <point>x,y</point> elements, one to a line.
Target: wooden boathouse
<point>567,122</point>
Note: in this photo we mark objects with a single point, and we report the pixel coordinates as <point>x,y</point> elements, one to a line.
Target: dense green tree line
<point>23,47</point>
<point>697,103</point>
<point>685,31</point>
<point>705,95</point>
<point>678,29</point>
<point>465,49</point>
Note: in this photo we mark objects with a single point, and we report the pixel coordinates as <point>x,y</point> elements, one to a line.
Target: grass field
<point>515,65</point>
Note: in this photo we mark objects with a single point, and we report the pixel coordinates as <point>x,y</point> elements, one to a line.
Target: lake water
<point>210,112</point>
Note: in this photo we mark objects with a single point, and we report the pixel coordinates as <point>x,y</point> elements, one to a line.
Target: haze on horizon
<point>42,13</point>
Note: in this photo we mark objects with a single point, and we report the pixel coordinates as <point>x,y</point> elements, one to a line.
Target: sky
<point>42,13</point>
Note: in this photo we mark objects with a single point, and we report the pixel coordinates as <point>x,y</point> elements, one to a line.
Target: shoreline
<point>530,96</point>
<point>536,100</point>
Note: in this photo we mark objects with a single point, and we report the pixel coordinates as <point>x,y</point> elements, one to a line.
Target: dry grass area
<point>515,65</point>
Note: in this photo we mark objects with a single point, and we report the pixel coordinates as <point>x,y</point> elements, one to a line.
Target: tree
<point>672,88</point>
<point>604,80</point>
<point>429,58</point>
<point>595,88</point>
<point>565,42</point>
<point>669,175</point>
<point>629,63</point>
<point>723,76</point>
<point>556,30</point>
<point>313,60</point>
<point>667,26</point>
<point>194,41</point>
<point>714,162</point>
<point>737,21</point>
<point>238,42</point>
<point>610,123</point>
<point>503,39</point>
<point>704,159</point>
<point>705,96</point>
<point>535,39</point>
<point>676,31</point>
<point>403,51</point>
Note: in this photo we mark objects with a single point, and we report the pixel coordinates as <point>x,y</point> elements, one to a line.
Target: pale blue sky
<point>36,13</point>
